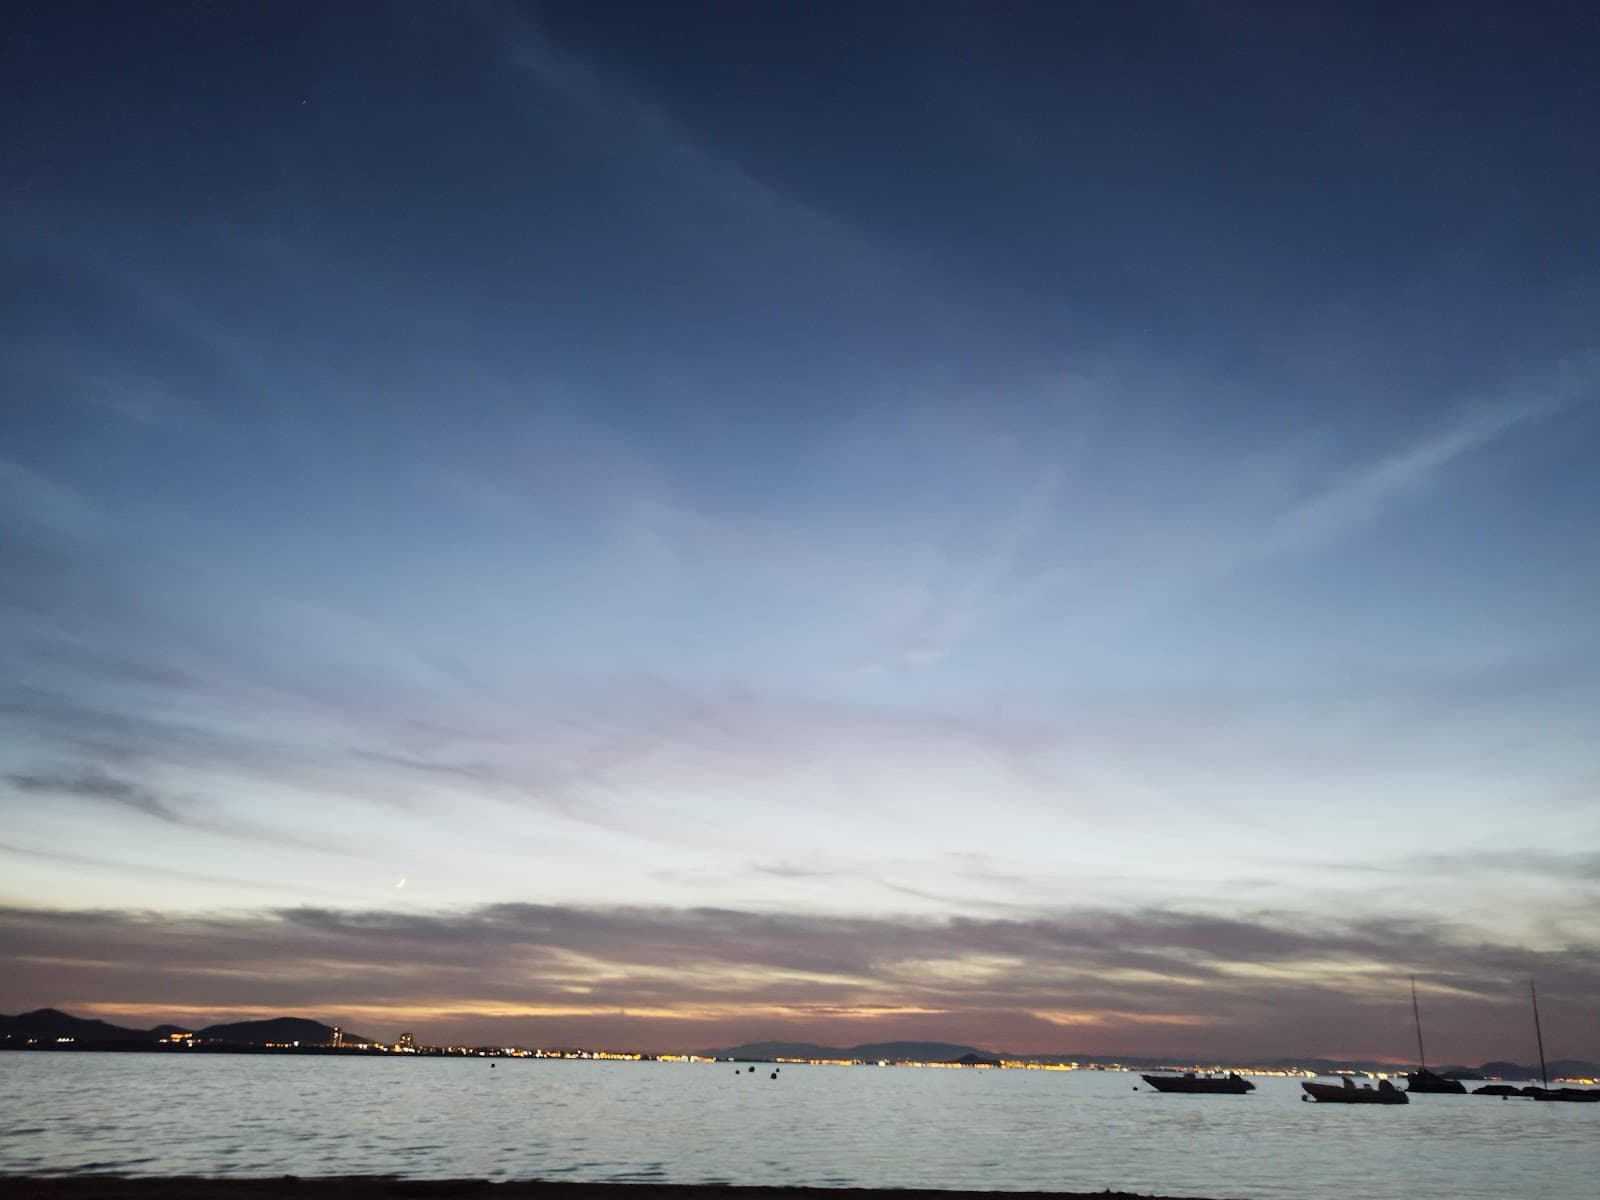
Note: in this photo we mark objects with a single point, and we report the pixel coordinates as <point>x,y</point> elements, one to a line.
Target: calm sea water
<point>827,1126</point>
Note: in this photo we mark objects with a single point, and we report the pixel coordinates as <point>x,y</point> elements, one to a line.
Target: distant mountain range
<point>945,1052</point>
<point>1567,1068</point>
<point>52,1023</point>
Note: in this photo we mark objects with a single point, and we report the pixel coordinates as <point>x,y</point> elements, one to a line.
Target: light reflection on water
<point>822,1126</point>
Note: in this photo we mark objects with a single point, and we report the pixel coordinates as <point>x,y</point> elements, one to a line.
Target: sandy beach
<point>290,1187</point>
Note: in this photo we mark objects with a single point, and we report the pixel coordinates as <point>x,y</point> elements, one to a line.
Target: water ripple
<point>826,1127</point>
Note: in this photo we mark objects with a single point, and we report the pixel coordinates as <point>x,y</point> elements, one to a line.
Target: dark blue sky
<point>884,463</point>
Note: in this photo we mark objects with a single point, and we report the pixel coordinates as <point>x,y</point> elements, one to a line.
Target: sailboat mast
<point>1544,1073</point>
<point>1417,1016</point>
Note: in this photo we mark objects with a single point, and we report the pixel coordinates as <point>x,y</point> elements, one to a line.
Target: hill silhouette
<point>276,1030</point>
<point>51,1024</point>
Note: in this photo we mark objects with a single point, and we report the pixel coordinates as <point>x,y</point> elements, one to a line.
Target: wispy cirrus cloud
<point>93,784</point>
<point>100,787</point>
<point>1360,495</point>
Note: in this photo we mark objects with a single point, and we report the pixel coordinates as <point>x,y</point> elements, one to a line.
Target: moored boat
<point>1423,1080</point>
<point>1349,1093</point>
<point>1210,1085</point>
<point>1427,1082</point>
<point>1503,1090</point>
<point>1571,1095</point>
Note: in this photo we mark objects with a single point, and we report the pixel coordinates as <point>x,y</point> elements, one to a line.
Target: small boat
<point>1571,1095</point>
<point>1424,1080</point>
<point>1349,1093</point>
<point>1504,1090</point>
<point>1428,1083</point>
<point>1209,1085</point>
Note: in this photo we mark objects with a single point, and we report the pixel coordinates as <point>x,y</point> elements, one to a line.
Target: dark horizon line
<point>740,1051</point>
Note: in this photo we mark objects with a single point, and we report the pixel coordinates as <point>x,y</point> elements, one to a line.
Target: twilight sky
<point>1067,527</point>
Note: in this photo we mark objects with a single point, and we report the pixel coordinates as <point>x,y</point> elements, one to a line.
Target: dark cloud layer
<point>1087,981</point>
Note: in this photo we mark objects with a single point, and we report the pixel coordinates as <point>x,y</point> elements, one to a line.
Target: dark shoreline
<point>367,1187</point>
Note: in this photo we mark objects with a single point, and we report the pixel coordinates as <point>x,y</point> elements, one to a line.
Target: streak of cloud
<point>1362,495</point>
<point>94,784</point>
<point>97,785</point>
